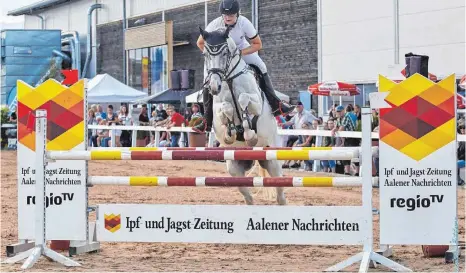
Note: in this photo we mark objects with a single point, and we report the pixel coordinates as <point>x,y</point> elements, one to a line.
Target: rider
<point>240,28</point>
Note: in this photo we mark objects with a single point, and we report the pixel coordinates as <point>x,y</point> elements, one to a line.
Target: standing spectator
<point>187,114</point>
<point>357,113</point>
<point>112,119</point>
<point>142,138</point>
<point>176,120</point>
<point>375,119</point>
<point>160,117</point>
<point>331,112</point>
<point>100,112</point>
<point>124,119</point>
<point>329,141</point>
<point>111,116</point>
<point>461,151</point>
<point>90,121</point>
<point>344,123</point>
<point>349,112</point>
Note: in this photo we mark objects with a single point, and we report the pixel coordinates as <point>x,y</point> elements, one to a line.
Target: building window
<point>158,69</point>
<point>147,69</point>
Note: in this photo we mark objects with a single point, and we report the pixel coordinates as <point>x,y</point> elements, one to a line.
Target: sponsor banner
<point>66,192</point>
<point>418,172</point>
<point>231,224</point>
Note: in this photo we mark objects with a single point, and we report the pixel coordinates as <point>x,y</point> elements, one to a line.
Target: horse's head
<point>219,50</point>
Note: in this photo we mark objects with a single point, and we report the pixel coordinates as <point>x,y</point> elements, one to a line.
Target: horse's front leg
<point>250,105</point>
<point>225,112</point>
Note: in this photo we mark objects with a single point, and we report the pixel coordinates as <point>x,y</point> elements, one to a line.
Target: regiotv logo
<point>413,203</point>
<point>52,200</point>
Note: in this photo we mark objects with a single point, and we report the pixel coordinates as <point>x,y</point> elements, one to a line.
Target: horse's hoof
<point>230,139</point>
<point>251,141</point>
<point>249,135</point>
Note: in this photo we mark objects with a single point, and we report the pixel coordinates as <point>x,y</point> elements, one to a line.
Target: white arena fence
<point>281,132</point>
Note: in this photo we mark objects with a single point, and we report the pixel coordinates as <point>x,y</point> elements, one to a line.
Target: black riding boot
<point>208,112</point>
<point>279,107</point>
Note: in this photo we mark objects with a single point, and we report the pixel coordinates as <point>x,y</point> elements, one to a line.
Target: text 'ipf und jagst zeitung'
<point>417,177</point>
<point>169,224</point>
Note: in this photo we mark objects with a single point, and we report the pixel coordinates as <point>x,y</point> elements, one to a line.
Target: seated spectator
<point>103,135</point>
<point>95,132</point>
<point>293,141</point>
<point>153,122</point>
<point>98,111</point>
<point>195,111</point>
<point>196,120</point>
<point>161,113</point>
<point>310,141</point>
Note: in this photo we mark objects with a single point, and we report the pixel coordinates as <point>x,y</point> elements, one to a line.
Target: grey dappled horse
<point>238,105</point>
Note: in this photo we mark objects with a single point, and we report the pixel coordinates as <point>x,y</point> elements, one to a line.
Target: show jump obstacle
<point>61,180</point>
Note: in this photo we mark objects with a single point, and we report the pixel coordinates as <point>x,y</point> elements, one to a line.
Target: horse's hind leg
<point>237,169</point>
<point>275,170</point>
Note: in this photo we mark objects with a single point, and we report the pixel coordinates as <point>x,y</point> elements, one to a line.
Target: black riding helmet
<point>229,7</point>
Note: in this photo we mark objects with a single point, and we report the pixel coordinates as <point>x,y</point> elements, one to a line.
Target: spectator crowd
<point>340,118</point>
<point>159,117</point>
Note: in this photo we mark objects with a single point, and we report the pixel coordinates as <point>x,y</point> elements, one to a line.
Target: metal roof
<point>37,7</point>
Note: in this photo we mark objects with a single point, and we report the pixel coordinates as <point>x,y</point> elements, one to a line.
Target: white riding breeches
<point>255,60</point>
<point>249,59</point>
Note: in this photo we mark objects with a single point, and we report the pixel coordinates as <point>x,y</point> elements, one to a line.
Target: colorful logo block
<point>422,117</point>
<point>112,222</point>
<point>65,113</point>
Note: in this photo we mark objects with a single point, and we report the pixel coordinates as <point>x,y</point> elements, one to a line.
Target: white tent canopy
<point>196,97</point>
<point>103,88</point>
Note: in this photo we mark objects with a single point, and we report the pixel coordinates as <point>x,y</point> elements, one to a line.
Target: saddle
<point>257,74</point>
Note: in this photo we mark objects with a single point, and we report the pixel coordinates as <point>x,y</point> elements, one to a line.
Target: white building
<point>359,39</point>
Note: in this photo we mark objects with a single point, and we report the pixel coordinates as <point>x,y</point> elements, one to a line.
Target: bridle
<point>224,74</point>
